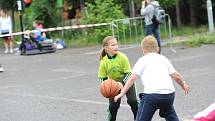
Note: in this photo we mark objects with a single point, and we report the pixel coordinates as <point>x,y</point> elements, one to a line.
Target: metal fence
<point>130,31</point>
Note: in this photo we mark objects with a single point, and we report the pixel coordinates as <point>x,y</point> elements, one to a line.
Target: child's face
<point>2,13</point>
<point>147,1</point>
<point>112,47</point>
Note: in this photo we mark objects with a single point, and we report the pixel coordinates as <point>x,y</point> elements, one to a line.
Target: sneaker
<point>18,52</point>
<point>11,50</point>
<point>1,68</point>
<point>6,51</point>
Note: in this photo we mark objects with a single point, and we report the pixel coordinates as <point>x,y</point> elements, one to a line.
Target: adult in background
<point>6,28</point>
<point>148,10</point>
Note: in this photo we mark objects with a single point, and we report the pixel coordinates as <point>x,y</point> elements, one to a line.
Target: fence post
<point>210,16</point>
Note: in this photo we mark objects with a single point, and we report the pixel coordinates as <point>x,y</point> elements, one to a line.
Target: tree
<point>178,13</point>
<point>44,10</point>
<point>102,12</point>
<point>8,5</point>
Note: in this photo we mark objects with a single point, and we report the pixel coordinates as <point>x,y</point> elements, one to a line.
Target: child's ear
<point>158,49</point>
<point>106,47</point>
<point>144,51</point>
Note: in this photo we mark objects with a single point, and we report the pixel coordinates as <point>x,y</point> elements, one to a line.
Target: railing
<point>130,31</point>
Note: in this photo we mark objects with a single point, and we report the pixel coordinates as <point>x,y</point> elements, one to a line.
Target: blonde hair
<point>149,43</point>
<point>105,43</point>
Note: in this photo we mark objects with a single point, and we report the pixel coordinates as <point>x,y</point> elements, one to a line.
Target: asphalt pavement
<point>63,86</point>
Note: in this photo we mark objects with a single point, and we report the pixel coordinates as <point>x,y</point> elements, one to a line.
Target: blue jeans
<point>149,103</point>
<point>151,29</point>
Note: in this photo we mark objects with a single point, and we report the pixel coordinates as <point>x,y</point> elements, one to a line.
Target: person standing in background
<point>6,28</point>
<point>148,10</point>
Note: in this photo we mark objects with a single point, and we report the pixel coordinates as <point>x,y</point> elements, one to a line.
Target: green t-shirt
<point>114,68</point>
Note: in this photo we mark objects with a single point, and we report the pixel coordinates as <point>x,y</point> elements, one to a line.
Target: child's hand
<point>119,96</point>
<point>186,88</point>
<point>143,4</point>
<point>120,85</point>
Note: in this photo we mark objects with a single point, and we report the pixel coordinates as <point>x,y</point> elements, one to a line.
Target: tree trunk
<point>178,18</point>
<point>131,9</point>
<point>192,15</point>
<point>13,19</point>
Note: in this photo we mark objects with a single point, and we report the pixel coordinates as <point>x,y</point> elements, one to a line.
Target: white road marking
<point>96,52</point>
<point>45,81</point>
<point>64,99</point>
<point>189,57</point>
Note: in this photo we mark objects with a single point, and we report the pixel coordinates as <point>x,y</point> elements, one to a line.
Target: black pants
<point>131,100</point>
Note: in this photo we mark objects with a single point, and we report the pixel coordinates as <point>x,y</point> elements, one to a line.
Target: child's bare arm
<point>179,79</point>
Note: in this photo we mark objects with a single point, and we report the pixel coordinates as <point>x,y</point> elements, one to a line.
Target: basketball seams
<point>116,89</point>
<point>109,88</point>
<point>105,89</point>
<point>110,94</point>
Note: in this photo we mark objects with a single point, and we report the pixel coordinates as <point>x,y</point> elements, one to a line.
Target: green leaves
<point>102,11</point>
<point>167,3</point>
<point>42,10</point>
<point>8,4</point>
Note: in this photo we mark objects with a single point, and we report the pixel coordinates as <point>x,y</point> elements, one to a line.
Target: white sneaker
<point>6,51</point>
<point>11,50</point>
<point>1,68</point>
<point>18,52</point>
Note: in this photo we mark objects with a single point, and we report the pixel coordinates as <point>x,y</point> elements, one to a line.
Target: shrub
<point>102,11</point>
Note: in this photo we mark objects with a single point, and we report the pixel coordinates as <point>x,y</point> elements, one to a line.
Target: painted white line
<point>189,57</point>
<point>123,48</point>
<point>50,80</point>
<point>64,99</point>
<point>200,74</point>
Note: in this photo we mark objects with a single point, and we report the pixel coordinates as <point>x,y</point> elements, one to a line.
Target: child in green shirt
<point>115,65</point>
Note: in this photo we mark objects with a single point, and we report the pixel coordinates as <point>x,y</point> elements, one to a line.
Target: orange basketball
<point>109,88</point>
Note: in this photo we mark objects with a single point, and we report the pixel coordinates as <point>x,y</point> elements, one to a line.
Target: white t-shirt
<point>154,70</point>
<point>6,24</point>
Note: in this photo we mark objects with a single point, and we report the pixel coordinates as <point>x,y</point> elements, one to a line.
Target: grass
<point>193,36</point>
<point>188,30</point>
<point>198,40</point>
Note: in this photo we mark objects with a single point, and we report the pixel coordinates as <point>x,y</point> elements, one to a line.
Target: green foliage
<point>167,3</point>
<point>201,39</point>
<point>102,11</point>
<point>8,4</point>
<point>41,10</point>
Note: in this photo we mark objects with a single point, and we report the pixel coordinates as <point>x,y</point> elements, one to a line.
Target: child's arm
<point>179,79</point>
<point>128,84</point>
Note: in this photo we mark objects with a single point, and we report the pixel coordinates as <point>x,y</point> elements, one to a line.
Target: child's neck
<point>110,56</point>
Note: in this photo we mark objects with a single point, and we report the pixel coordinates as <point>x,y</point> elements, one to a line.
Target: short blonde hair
<point>149,43</point>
